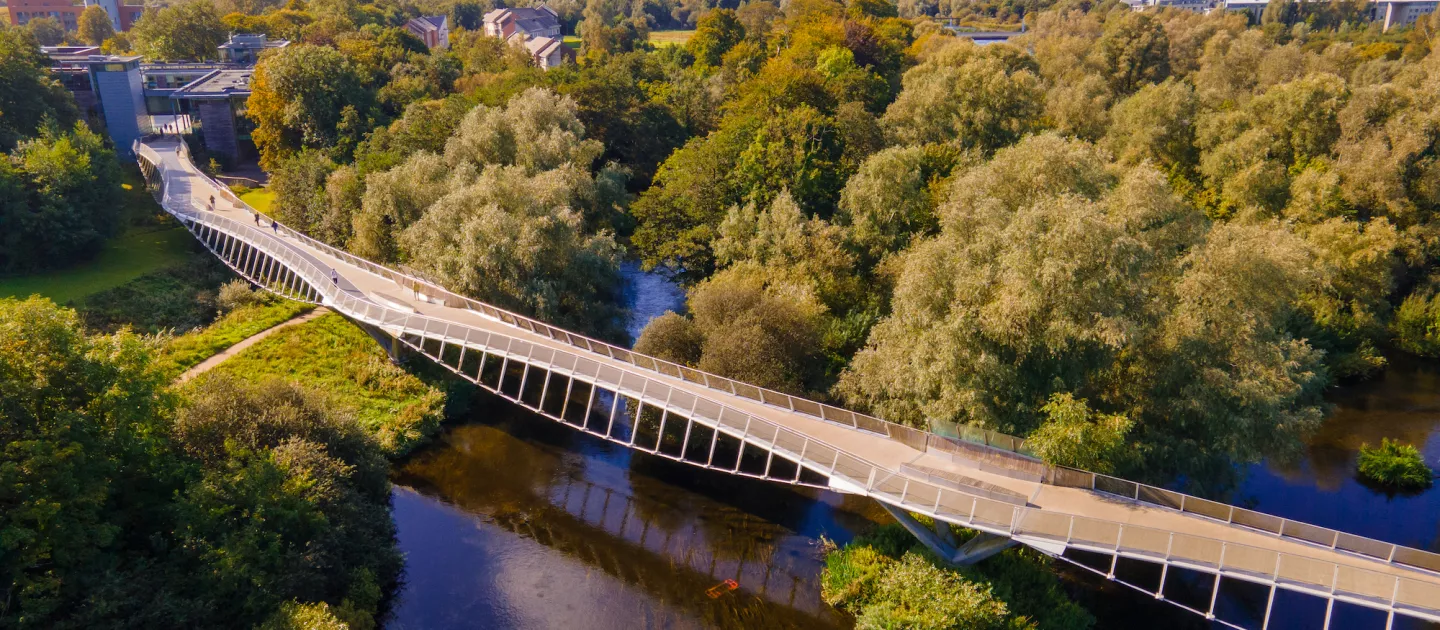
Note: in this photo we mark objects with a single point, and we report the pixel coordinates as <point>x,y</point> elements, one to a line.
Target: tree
<point>46,30</point>
<point>1074,435</point>
<point>80,418</point>
<point>187,31</point>
<point>975,97</point>
<point>1157,123</point>
<point>745,329</point>
<point>293,496</point>
<point>298,183</point>
<point>29,93</point>
<point>95,25</point>
<point>300,96</point>
<point>395,199</point>
<point>891,200</point>
<point>609,28</point>
<point>715,34</point>
<point>518,241</point>
<point>537,130</point>
<point>1134,51</point>
<point>57,199</point>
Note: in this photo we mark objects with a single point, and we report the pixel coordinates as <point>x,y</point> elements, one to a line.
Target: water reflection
<point>517,522</point>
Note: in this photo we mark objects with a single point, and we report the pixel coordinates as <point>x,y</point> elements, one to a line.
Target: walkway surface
<point>887,454</point>
<point>210,363</point>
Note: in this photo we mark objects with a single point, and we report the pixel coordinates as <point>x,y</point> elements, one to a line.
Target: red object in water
<point>722,588</point>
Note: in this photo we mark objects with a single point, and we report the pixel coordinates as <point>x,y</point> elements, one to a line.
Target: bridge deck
<point>884,453</point>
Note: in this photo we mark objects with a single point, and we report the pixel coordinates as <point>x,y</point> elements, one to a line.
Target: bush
<point>1394,466</point>
<point>180,298</point>
<point>238,293</point>
<point>878,578</point>
<point>1417,325</point>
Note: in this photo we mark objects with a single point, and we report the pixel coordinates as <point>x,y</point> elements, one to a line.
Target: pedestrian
<point>274,226</point>
<point>212,202</point>
<point>334,277</point>
<point>256,215</point>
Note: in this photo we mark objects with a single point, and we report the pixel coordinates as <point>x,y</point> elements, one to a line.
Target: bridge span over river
<point>979,480</point>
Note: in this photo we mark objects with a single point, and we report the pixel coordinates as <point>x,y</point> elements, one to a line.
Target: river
<point>509,520</point>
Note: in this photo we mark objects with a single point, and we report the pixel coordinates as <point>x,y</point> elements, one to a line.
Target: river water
<point>509,520</point>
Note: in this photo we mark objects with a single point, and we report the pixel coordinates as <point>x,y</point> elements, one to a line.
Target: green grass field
<point>259,199</point>
<point>670,38</point>
<point>125,258</point>
<point>190,349</point>
<point>572,41</point>
<point>331,355</point>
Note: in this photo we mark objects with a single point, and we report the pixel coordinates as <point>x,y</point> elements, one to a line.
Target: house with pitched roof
<point>537,22</point>
<point>434,30</point>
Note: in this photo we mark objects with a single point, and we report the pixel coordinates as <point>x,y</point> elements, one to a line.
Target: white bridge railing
<point>1415,595</point>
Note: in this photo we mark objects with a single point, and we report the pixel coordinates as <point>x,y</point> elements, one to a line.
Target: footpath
<point>210,363</point>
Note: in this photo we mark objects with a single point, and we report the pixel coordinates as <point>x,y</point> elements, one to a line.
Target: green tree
<point>1157,123</point>
<point>95,25</point>
<point>1074,435</point>
<point>1134,51</point>
<point>715,34</point>
<point>518,240</point>
<point>186,31</point>
<point>744,328</point>
<point>300,97</point>
<point>57,199</point>
<point>45,30</point>
<point>975,97</point>
<point>80,422</point>
<point>29,93</point>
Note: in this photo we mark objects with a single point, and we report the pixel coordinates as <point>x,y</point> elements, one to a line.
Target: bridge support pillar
<point>980,547</point>
<point>389,342</point>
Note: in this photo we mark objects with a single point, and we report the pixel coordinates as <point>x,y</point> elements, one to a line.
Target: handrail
<point>1398,593</point>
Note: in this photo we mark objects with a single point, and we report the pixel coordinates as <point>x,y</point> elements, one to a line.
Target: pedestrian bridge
<point>980,481</point>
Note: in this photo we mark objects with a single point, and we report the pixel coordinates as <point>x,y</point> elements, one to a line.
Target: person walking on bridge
<point>334,277</point>
<point>212,203</point>
<point>256,215</point>
<point>274,227</point>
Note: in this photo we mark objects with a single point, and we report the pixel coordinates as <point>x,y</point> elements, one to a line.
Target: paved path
<point>210,363</point>
<point>883,453</point>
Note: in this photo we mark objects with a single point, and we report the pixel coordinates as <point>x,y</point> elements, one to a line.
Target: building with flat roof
<point>217,99</point>
<point>244,49</point>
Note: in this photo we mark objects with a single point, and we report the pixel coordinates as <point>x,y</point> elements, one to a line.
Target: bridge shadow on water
<point>647,536</point>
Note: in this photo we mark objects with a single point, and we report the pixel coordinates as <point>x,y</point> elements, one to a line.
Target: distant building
<point>540,22</point>
<point>218,100</point>
<point>245,49</point>
<point>67,13</point>
<point>1198,6</point>
<point>1400,13</point>
<point>547,52</point>
<point>1392,13</point>
<point>434,30</point>
<point>537,30</point>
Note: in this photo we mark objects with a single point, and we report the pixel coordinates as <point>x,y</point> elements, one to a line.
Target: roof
<point>542,46</point>
<point>245,40</point>
<point>426,23</point>
<point>217,84</point>
<point>527,18</point>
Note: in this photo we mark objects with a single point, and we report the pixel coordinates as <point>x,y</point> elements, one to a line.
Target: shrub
<point>1417,325</point>
<point>237,293</point>
<point>918,595</point>
<point>1394,466</point>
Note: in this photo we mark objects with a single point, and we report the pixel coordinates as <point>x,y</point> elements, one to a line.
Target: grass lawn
<point>333,356</point>
<point>190,349</point>
<point>127,257</point>
<point>572,41</point>
<point>259,199</point>
<point>670,38</point>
